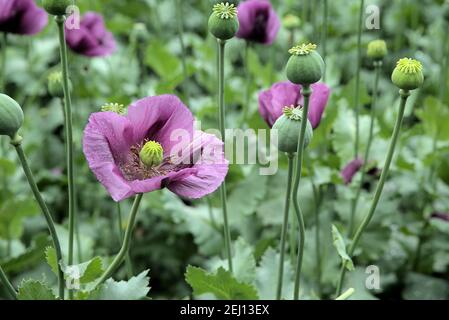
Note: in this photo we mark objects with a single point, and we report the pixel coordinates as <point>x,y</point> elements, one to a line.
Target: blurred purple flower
<point>112,144</point>
<point>22,17</point>
<point>92,39</point>
<point>258,21</point>
<point>351,169</point>
<point>285,94</point>
<point>441,215</point>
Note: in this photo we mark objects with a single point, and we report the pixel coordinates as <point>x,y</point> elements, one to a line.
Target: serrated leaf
<point>85,272</point>
<point>35,290</point>
<point>266,276</point>
<point>135,288</point>
<point>221,284</point>
<point>52,260</point>
<point>339,244</point>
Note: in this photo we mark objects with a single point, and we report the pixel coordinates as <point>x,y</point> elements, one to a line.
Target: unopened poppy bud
<point>289,127</point>
<point>11,116</point>
<point>377,49</point>
<point>114,107</point>
<point>291,22</point>
<point>56,7</point>
<point>140,31</point>
<point>408,74</point>
<point>55,85</point>
<point>305,65</point>
<point>152,154</point>
<point>223,22</point>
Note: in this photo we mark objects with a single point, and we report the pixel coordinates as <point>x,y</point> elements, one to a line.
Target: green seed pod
<point>223,22</point>
<point>56,7</point>
<point>377,49</point>
<point>11,116</point>
<point>152,154</point>
<point>289,127</point>
<point>55,86</point>
<point>408,74</point>
<point>291,22</point>
<point>114,107</point>
<point>305,66</point>
<point>234,2</point>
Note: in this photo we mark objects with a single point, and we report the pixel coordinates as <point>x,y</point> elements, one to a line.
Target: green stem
<point>285,226</point>
<point>69,134</point>
<point>348,293</point>
<point>17,143</point>
<point>248,84</point>
<point>3,62</point>
<point>394,139</point>
<point>8,285</point>
<point>324,35</point>
<point>180,25</point>
<point>126,242</point>
<point>421,239</point>
<point>317,200</point>
<point>300,157</point>
<point>129,268</point>
<point>378,67</point>
<point>222,119</point>
<point>357,79</point>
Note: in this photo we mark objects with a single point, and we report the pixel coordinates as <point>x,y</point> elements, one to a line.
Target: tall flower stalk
<point>180,26</point>
<point>223,25</point>
<point>376,50</point>
<point>118,259</point>
<point>407,76</point>
<point>324,33</point>
<point>357,79</point>
<point>128,262</point>
<point>60,20</point>
<point>304,67</point>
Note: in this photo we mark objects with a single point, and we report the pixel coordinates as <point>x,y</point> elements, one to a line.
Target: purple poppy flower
<point>258,21</point>
<point>351,169</point>
<point>22,17</point>
<point>285,94</point>
<point>92,39</point>
<point>193,162</point>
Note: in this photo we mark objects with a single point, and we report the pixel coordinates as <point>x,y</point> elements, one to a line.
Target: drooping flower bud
<point>377,50</point>
<point>56,7</point>
<point>55,85</point>
<point>408,74</point>
<point>223,22</point>
<point>305,65</point>
<point>152,154</point>
<point>114,107</point>
<point>289,127</point>
<point>11,116</point>
<point>291,22</point>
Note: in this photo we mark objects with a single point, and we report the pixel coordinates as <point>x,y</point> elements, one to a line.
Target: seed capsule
<point>408,74</point>
<point>305,65</point>
<point>11,116</point>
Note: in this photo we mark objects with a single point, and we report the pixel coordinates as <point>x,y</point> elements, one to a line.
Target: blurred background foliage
<point>409,246</point>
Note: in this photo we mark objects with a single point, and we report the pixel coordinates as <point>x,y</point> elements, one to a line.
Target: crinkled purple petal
<point>208,172</point>
<point>318,102</point>
<point>107,139</point>
<point>163,119</point>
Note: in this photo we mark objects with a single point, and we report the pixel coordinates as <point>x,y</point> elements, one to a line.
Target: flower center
<point>114,107</point>
<point>225,10</point>
<point>151,154</point>
<point>409,66</point>
<point>292,113</point>
<point>302,49</point>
